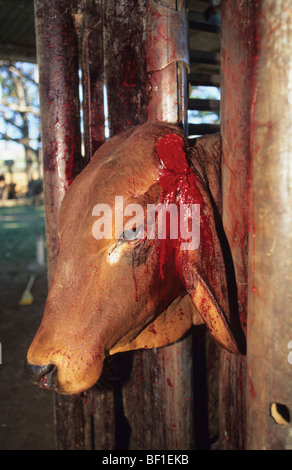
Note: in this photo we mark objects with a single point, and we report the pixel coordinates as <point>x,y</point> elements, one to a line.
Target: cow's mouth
<point>42,376</point>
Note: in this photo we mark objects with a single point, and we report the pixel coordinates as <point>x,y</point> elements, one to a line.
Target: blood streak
<point>179,182</point>
<point>170,150</point>
<point>44,382</point>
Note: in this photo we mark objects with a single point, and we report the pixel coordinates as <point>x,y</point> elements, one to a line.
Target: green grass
<point>19,226</point>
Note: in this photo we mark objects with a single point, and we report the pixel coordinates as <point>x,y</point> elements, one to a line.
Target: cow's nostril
<point>43,376</point>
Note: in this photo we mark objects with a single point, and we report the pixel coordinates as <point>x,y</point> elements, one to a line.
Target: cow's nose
<point>43,376</point>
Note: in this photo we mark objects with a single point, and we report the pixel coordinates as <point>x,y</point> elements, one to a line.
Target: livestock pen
<point>137,60</point>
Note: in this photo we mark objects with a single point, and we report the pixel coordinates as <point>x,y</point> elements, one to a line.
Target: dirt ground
<point>26,412</point>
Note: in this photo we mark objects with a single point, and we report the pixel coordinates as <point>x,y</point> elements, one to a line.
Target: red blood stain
<point>169,383</point>
<point>44,381</point>
<point>170,150</point>
<point>180,184</point>
<point>152,329</point>
<point>252,390</point>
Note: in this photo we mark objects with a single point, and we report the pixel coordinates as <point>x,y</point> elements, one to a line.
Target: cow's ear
<point>167,328</point>
<point>203,273</point>
<point>200,262</point>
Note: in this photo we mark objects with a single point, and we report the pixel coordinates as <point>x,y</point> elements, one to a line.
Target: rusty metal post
<point>236,71</point>
<point>57,53</point>
<point>90,26</point>
<point>269,365</point>
<point>125,72</point>
<point>59,101</point>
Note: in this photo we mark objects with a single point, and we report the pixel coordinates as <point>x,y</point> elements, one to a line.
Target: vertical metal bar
<point>124,63</point>
<point>57,51</point>
<point>98,403</point>
<point>167,61</point>
<point>59,101</point>
<point>236,69</point>
<point>92,67</point>
<point>269,370</point>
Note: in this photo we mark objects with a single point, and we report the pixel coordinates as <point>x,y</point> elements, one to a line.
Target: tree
<point>19,109</point>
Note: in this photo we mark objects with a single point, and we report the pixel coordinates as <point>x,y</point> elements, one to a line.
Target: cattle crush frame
<point>113,44</point>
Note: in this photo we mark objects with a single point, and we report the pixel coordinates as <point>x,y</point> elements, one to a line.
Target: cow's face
<point>112,288</point>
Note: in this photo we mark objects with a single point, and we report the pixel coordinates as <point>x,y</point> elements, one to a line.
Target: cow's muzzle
<point>42,376</point>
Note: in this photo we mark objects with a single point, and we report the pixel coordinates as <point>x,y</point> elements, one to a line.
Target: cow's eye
<point>131,234</point>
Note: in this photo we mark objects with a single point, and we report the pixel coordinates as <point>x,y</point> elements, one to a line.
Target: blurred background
<point>26,413</point>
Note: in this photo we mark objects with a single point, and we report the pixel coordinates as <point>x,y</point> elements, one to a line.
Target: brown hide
<point>109,295</point>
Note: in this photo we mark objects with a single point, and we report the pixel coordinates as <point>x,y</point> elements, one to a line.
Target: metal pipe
<point>167,61</point>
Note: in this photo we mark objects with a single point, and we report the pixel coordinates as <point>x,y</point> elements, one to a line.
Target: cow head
<point>116,287</point>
